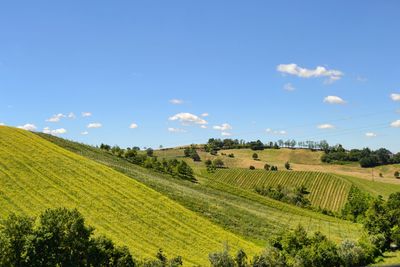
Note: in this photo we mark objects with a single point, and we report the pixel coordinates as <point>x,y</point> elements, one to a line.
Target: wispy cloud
<point>176,130</point>
<point>2,124</point>
<point>205,114</point>
<point>84,133</point>
<point>319,71</point>
<point>94,125</point>
<point>225,134</point>
<point>331,99</point>
<point>288,87</point>
<point>370,135</point>
<point>326,126</point>
<point>276,132</point>
<point>71,115</point>
<point>86,114</point>
<point>176,101</point>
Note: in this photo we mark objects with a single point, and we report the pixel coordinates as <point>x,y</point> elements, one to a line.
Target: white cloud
<point>28,127</point>
<point>133,126</point>
<point>223,127</point>
<point>2,124</point>
<point>319,71</point>
<point>395,124</point>
<point>288,87</point>
<point>47,130</point>
<point>85,133</point>
<point>56,118</point>
<point>94,125</point>
<point>395,97</point>
<point>325,126</point>
<point>176,101</point>
<point>71,115</point>
<point>205,114</point>
<point>176,130</point>
<point>225,134</point>
<point>331,99</point>
<point>276,132</point>
<point>86,114</point>
<point>203,126</point>
<point>187,118</point>
<point>370,134</point>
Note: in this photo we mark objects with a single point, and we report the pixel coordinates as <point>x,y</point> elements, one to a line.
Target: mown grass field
<point>300,160</point>
<point>36,174</point>
<point>326,191</point>
<point>240,211</point>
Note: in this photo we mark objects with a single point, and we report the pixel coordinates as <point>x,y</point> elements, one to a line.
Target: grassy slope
<point>326,191</point>
<point>36,174</point>
<point>300,159</point>
<point>242,212</point>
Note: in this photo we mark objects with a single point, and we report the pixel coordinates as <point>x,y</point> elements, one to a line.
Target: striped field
<point>36,174</point>
<point>326,191</point>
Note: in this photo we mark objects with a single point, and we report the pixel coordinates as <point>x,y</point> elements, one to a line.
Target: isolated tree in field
<point>397,174</point>
<point>218,163</point>
<point>252,167</point>
<point>149,152</point>
<point>287,165</point>
<point>266,166</point>
<point>255,156</point>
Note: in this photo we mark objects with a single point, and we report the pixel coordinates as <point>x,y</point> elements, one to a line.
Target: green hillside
<point>243,212</point>
<point>36,174</point>
<point>326,190</point>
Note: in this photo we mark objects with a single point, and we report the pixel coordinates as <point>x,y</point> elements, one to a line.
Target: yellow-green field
<point>243,212</point>
<point>326,191</point>
<point>36,174</point>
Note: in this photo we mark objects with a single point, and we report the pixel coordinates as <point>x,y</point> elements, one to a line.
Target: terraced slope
<point>326,191</point>
<point>36,174</point>
<point>243,212</point>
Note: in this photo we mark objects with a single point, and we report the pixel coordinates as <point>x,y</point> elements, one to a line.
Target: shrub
<point>252,167</point>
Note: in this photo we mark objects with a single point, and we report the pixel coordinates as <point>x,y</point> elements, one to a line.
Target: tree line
<point>366,157</point>
<point>60,237</point>
<point>173,167</point>
<point>296,196</point>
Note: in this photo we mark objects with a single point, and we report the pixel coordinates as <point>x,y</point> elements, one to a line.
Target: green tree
<point>255,156</point>
<point>218,163</point>
<point>149,152</point>
<point>396,174</point>
<point>287,165</point>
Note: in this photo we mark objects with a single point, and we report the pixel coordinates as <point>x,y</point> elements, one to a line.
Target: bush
<point>218,163</point>
<point>287,165</point>
<point>252,167</point>
<point>266,167</point>
<point>397,174</point>
<point>255,156</point>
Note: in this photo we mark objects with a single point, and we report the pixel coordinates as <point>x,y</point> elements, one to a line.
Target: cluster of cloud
<point>59,116</point>
<point>331,99</point>
<point>86,114</point>
<point>28,127</point>
<point>276,132</point>
<point>319,71</point>
<point>176,101</point>
<point>187,118</point>
<point>224,128</point>
<point>133,125</point>
<point>59,131</point>
<point>2,124</point>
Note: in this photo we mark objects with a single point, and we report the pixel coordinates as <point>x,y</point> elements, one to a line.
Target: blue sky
<point>268,70</point>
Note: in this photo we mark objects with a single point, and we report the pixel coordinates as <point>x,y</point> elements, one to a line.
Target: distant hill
<point>243,212</point>
<point>36,174</point>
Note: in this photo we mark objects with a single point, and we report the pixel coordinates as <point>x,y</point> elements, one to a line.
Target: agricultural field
<point>36,174</point>
<point>242,212</point>
<point>300,160</point>
<point>326,191</point>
